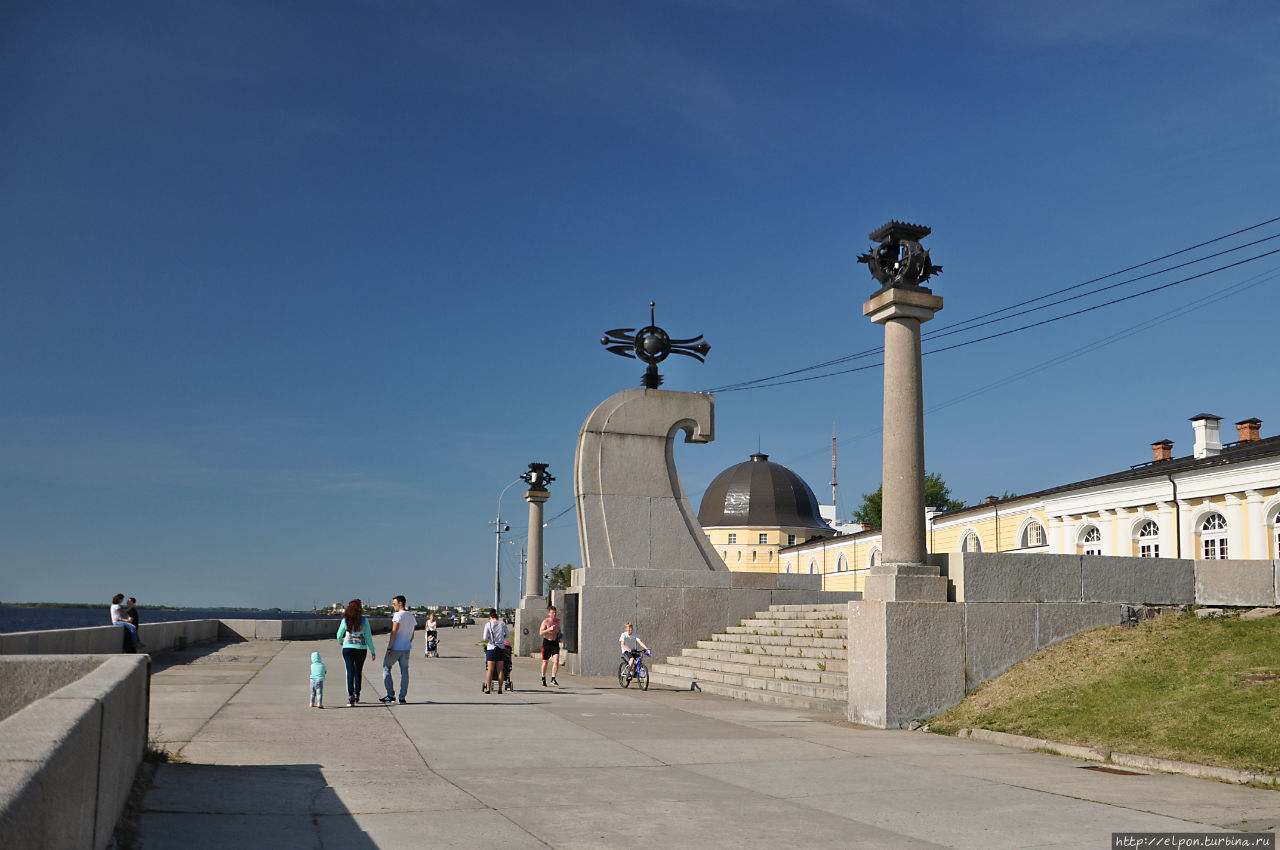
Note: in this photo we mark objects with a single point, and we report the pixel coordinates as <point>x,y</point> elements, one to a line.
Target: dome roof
<point>760,494</point>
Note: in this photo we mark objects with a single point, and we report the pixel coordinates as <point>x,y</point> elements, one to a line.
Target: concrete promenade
<point>590,765</point>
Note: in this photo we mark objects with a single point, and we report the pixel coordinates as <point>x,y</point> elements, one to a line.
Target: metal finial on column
<point>900,260</point>
<point>652,345</point>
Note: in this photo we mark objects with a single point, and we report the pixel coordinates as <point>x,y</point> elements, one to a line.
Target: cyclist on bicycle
<point>631,646</point>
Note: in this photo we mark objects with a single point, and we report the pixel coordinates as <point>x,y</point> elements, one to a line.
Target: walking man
<point>550,631</point>
<point>399,646</point>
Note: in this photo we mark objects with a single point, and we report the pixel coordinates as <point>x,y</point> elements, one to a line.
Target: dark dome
<point>760,494</point>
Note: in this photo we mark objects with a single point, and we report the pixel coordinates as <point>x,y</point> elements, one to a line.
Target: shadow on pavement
<point>202,805</point>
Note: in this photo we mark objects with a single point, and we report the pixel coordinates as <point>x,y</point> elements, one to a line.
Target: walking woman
<point>495,639</point>
<point>357,641</point>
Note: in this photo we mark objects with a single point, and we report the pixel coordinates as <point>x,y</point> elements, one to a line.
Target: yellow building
<point>1220,501</point>
<point>754,509</point>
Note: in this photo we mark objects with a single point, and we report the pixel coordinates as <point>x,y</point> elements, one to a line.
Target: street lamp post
<point>498,529</point>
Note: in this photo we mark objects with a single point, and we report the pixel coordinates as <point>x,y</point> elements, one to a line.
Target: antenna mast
<point>833,470</point>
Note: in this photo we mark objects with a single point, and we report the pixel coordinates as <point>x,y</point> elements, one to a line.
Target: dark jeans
<point>355,668</point>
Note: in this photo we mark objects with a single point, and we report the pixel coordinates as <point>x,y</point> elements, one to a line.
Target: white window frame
<point>874,560</point>
<point>1091,540</point>
<point>791,540</point>
<point>1033,525</point>
<point>1149,539</point>
<point>970,535</point>
<point>733,537</point>
<point>1213,537</point>
<point>764,540</point>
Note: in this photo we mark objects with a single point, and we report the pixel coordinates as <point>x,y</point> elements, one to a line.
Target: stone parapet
<point>68,758</point>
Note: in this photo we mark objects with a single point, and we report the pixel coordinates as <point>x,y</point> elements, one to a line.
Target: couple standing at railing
<point>126,616</point>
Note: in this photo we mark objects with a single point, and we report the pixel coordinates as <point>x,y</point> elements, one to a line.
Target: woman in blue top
<point>357,641</point>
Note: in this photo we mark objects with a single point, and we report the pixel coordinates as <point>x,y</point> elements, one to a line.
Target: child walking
<point>317,681</point>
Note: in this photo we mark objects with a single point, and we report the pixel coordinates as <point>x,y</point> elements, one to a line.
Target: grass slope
<point>1177,687</point>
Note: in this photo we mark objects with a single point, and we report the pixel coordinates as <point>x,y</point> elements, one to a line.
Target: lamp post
<point>498,529</point>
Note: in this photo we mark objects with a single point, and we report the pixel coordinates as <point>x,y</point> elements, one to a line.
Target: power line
<point>957,327</point>
<point>746,385</point>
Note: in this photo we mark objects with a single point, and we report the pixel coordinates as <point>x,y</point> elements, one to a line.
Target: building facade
<point>1220,501</point>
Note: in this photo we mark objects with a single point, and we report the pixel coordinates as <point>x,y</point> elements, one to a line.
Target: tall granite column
<point>902,573</point>
<point>906,642</point>
<point>533,607</point>
<point>533,570</point>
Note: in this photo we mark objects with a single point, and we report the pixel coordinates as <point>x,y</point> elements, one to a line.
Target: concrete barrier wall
<point>289,629</point>
<point>1237,583</point>
<point>107,640</point>
<point>1008,577</point>
<point>67,760</point>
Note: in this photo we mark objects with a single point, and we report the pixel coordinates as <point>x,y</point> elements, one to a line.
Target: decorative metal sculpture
<point>537,477</point>
<point>900,260</point>
<point>652,345</point>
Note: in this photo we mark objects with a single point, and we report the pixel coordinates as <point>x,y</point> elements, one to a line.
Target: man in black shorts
<point>550,631</point>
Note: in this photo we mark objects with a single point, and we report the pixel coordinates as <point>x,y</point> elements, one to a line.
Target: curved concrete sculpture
<point>632,511</point>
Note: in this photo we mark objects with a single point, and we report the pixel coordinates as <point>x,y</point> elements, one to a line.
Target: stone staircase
<point>791,655</point>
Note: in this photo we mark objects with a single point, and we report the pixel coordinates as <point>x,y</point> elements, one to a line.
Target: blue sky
<point>287,297</point>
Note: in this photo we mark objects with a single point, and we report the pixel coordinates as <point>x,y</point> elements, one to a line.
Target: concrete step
<point>744,636</point>
<point>805,628</point>
<point>786,649</point>
<point>838,707</point>
<point>745,667</point>
<point>805,614</point>
<point>841,607</point>
<point>759,657</point>
<point>759,683</point>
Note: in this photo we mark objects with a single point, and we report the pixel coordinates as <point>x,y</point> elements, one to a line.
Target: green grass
<point>1173,687</point>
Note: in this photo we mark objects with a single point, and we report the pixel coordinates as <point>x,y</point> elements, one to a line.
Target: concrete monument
<point>533,606</point>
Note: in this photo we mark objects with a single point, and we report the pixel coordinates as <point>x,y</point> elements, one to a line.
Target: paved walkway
<point>590,765</point>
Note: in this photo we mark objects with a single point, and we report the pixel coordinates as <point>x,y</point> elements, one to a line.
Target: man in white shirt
<point>399,645</point>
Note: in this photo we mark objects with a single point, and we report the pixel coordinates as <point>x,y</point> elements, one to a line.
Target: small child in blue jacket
<point>317,681</point>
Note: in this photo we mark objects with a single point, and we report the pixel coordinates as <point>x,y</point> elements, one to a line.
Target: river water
<point>18,618</point>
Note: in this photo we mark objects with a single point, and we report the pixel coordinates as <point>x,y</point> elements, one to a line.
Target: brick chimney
<point>1162,450</point>
<point>1249,430</point>
<point>1208,443</point>
<point>991,500</point>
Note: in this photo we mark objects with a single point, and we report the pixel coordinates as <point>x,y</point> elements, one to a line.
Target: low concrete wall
<point>107,640</point>
<point>1009,577</point>
<point>1250,584</point>
<point>67,759</point>
<point>289,629</point>
<point>912,660</point>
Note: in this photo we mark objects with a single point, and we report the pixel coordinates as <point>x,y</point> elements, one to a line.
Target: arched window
<point>787,567</point>
<point>971,543</point>
<point>1032,535</point>
<point>1213,537</point>
<point>841,564</point>
<point>739,556</point>
<point>1149,540</point>
<point>771,556</point>
<point>1092,541</point>
<point>813,566</point>
<point>753,556</point>
<point>875,558</point>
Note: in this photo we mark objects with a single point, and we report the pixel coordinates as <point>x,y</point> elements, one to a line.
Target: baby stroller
<point>433,646</point>
<point>506,665</point>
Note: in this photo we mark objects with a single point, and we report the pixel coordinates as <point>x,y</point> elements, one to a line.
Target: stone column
<point>1235,526</point>
<point>1186,531</point>
<point>533,571</point>
<point>902,574</point>
<point>1168,533</point>
<point>1258,549</point>
<point>1123,535</point>
<point>533,607</point>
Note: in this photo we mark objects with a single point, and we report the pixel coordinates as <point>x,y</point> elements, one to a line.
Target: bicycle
<point>640,672</point>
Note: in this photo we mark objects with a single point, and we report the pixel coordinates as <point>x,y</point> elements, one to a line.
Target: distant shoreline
<point>160,607</point>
